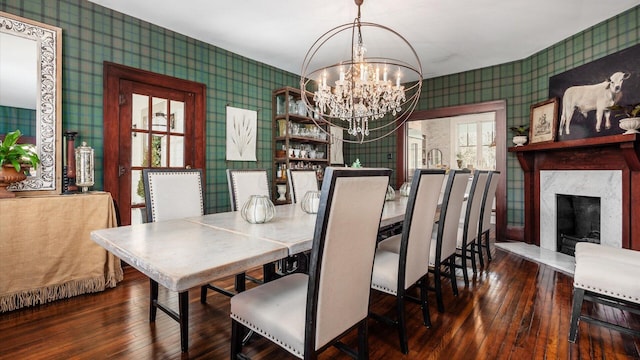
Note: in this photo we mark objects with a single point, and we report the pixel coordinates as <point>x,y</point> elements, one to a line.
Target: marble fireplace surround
<point>604,184</point>
<point>607,167</point>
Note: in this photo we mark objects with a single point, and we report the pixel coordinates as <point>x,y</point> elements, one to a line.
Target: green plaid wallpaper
<point>17,118</point>
<point>92,35</point>
<point>521,83</point>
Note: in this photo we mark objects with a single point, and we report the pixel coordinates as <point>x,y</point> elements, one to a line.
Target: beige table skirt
<point>46,252</point>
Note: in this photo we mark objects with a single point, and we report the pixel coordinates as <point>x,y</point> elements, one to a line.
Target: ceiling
<point>450,36</point>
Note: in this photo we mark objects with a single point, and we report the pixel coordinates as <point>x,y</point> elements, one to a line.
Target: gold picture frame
<point>543,121</point>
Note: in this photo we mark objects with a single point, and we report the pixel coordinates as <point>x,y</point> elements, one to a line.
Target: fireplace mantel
<point>617,152</point>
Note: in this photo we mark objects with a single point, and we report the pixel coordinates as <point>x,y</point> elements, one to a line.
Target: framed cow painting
<point>587,92</point>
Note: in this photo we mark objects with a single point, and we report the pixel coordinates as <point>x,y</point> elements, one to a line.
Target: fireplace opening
<point>578,221</point>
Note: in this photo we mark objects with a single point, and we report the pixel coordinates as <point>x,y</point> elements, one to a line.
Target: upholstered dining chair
<point>242,184</point>
<point>394,273</point>
<point>443,236</point>
<point>305,314</point>
<point>175,194</point>
<point>466,248</point>
<point>164,202</point>
<point>246,182</point>
<point>301,181</point>
<point>607,276</point>
<point>485,216</point>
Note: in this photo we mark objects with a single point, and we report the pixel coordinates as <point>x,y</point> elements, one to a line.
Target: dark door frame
<point>112,75</point>
<point>500,108</point>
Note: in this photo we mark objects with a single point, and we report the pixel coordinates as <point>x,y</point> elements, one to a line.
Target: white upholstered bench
<point>607,276</point>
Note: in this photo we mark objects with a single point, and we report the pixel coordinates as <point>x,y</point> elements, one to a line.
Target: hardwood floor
<point>513,309</point>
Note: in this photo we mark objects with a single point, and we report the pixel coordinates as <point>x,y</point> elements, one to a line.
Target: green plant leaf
<point>17,155</point>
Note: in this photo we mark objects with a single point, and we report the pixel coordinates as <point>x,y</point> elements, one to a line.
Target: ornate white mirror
<point>30,94</point>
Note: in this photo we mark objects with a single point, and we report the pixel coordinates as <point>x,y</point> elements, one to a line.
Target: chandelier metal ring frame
<point>360,101</point>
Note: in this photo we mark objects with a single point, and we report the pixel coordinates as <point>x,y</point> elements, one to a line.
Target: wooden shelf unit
<point>285,118</point>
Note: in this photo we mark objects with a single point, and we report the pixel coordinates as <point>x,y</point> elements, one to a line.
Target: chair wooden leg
<point>578,298</point>
<point>486,244</point>
<point>237,331</point>
<point>424,305</point>
<point>363,340</point>
<point>463,265</point>
<point>452,275</point>
<point>402,330</point>
<point>477,246</point>
<point>473,258</point>
<point>438,288</point>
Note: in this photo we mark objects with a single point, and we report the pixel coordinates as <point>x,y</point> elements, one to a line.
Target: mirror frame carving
<point>48,175</point>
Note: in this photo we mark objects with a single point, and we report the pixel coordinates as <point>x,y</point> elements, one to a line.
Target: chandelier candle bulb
<point>358,102</point>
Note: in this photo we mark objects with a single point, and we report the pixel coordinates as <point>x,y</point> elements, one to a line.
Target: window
<point>475,141</point>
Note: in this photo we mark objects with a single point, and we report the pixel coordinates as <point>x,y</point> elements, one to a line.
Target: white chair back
<point>173,193</point>
<point>301,181</point>
<point>418,224</point>
<point>474,207</point>
<point>244,183</point>
<point>487,200</point>
<point>450,215</point>
<point>343,249</point>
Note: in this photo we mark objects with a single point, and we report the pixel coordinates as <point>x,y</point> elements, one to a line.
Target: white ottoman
<point>607,276</point>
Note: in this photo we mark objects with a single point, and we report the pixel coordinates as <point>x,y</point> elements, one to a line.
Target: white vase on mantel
<point>631,125</point>
<point>520,140</point>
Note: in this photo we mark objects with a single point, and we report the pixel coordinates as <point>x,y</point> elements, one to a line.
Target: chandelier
<point>363,94</point>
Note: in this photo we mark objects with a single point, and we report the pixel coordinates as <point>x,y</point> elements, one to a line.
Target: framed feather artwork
<point>242,128</point>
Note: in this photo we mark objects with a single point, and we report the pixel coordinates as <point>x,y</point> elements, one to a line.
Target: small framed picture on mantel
<point>544,121</point>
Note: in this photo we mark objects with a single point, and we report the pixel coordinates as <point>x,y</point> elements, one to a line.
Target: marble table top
<point>181,254</point>
<point>291,226</point>
<point>393,211</point>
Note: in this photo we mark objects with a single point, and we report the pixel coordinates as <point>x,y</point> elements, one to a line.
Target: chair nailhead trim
<point>267,335</point>
<point>384,289</point>
<point>605,291</point>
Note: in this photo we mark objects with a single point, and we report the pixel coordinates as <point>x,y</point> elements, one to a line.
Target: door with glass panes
<point>155,122</point>
<point>156,125</point>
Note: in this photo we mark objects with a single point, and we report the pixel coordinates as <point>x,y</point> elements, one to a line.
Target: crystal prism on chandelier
<point>362,94</point>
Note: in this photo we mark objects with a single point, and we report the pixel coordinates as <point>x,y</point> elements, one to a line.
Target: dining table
<point>186,253</point>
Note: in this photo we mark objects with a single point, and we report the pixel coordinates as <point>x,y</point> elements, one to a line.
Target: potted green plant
<point>631,122</point>
<point>15,161</point>
<point>520,133</point>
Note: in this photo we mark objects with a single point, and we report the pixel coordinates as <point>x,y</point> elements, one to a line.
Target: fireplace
<point>578,221</point>
<point>605,167</point>
<point>581,185</point>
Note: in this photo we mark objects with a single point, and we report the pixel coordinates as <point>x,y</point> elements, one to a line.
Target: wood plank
<point>513,309</point>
